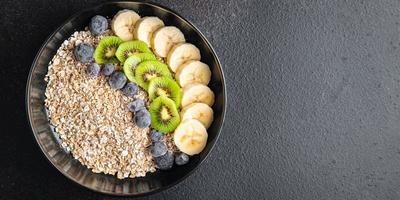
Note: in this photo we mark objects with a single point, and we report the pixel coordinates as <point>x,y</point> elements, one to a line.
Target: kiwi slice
<point>147,70</point>
<point>163,86</point>
<point>105,50</point>
<point>127,49</point>
<point>132,61</point>
<point>164,114</point>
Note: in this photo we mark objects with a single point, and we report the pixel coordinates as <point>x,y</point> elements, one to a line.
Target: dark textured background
<point>313,100</point>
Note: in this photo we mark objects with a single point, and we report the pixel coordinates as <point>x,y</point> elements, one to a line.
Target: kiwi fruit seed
<point>105,50</point>
<point>164,114</point>
<point>127,49</point>
<point>147,70</point>
<point>132,61</point>
<point>163,86</point>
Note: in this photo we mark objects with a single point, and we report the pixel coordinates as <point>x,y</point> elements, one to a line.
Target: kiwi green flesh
<point>132,61</point>
<point>109,52</point>
<point>150,75</point>
<point>127,49</point>
<point>145,56</point>
<point>147,70</point>
<point>163,86</point>
<point>164,114</point>
<point>105,50</point>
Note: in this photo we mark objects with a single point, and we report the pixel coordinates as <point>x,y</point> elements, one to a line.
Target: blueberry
<point>181,159</point>
<point>84,52</point>
<point>142,118</point>
<point>158,149</point>
<point>156,135</point>
<point>117,80</point>
<point>136,105</point>
<point>108,69</point>
<point>165,161</point>
<point>93,69</point>
<point>98,25</point>
<point>130,89</point>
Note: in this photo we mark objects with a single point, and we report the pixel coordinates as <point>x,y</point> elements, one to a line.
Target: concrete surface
<point>313,100</point>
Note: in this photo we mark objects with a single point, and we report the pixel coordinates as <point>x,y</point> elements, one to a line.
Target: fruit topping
<point>130,89</point>
<point>165,38</point>
<point>165,161</point>
<point>127,49</point>
<point>181,159</point>
<point>193,72</point>
<point>190,137</point>
<point>145,27</point>
<point>132,61</point>
<point>117,80</point>
<point>163,86</point>
<point>123,24</point>
<point>147,70</point>
<point>158,149</point>
<point>84,52</point>
<point>197,93</point>
<point>108,69</point>
<point>181,53</point>
<point>105,50</point>
<point>93,70</point>
<point>142,118</point>
<point>98,25</point>
<point>199,111</point>
<point>164,114</point>
<point>136,105</point>
<point>156,135</point>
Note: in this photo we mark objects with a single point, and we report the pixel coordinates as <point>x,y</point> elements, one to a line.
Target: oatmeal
<point>123,105</point>
<point>92,119</point>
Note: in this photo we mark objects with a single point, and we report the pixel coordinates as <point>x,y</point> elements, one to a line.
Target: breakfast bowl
<point>48,138</point>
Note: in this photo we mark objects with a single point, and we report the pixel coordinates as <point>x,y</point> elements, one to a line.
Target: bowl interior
<point>62,160</point>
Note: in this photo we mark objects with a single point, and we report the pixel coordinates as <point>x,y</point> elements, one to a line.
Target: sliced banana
<point>145,27</point>
<point>197,93</point>
<point>165,38</point>
<point>199,111</point>
<point>123,24</point>
<point>190,137</point>
<point>193,72</point>
<point>181,53</point>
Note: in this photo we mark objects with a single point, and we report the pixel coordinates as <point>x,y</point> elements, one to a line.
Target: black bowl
<point>64,162</point>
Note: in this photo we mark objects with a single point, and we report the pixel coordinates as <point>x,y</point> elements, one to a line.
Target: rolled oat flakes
<point>92,118</point>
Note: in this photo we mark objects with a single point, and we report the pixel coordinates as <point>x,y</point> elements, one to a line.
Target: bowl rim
<point>158,6</point>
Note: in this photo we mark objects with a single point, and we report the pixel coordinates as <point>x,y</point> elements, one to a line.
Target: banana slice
<point>145,27</point>
<point>190,137</point>
<point>197,93</point>
<point>123,24</point>
<point>181,53</point>
<point>193,72</point>
<point>165,38</point>
<point>199,111</point>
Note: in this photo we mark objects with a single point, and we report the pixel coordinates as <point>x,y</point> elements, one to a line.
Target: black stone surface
<point>313,100</point>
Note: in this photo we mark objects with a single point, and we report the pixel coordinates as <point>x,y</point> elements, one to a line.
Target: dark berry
<point>165,161</point>
<point>93,69</point>
<point>142,118</point>
<point>158,149</point>
<point>117,80</point>
<point>130,89</point>
<point>98,25</point>
<point>136,105</point>
<point>181,159</point>
<point>108,69</point>
<point>84,52</point>
<point>156,135</point>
